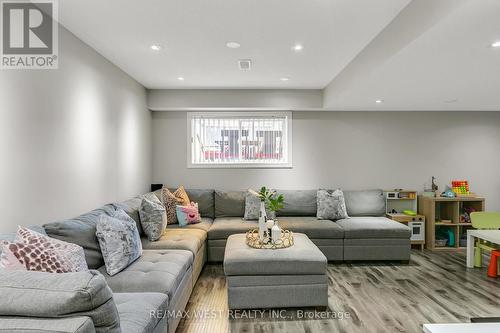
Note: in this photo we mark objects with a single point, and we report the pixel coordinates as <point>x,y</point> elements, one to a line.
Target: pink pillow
<point>188,214</point>
<point>71,255</point>
<point>36,252</point>
<point>19,256</point>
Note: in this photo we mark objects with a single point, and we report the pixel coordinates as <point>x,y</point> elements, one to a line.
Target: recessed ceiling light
<point>378,101</point>
<point>496,44</point>
<point>285,79</point>
<point>180,78</point>
<point>297,47</point>
<point>233,45</point>
<point>156,47</point>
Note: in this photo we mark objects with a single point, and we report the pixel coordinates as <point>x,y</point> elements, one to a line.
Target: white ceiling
<point>447,65</point>
<point>193,34</point>
<point>414,55</point>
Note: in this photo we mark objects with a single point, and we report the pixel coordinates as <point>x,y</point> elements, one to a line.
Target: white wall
<point>354,150</point>
<point>71,139</point>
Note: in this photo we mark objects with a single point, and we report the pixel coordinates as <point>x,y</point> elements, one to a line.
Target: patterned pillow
<point>171,200</point>
<point>188,214</point>
<point>153,218</point>
<point>252,208</point>
<point>32,257</point>
<point>119,240</point>
<point>71,254</point>
<point>331,205</point>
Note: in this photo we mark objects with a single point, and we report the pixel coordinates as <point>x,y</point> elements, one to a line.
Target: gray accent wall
<point>354,150</point>
<point>71,139</point>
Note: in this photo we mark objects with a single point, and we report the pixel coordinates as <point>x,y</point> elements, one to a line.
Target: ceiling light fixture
<point>496,44</point>
<point>297,47</point>
<point>156,47</point>
<point>378,101</point>
<point>180,78</point>
<point>285,79</point>
<point>233,45</point>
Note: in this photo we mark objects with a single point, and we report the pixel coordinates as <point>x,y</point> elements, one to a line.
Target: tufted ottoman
<point>260,278</point>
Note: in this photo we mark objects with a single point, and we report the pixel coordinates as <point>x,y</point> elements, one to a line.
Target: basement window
<point>239,140</point>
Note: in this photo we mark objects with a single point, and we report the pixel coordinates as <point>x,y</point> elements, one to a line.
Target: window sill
<point>240,166</point>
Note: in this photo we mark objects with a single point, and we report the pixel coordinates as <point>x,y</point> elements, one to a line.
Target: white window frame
<point>189,147</point>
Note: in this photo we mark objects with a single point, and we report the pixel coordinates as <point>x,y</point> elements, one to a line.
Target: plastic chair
<point>484,220</point>
<point>493,268</point>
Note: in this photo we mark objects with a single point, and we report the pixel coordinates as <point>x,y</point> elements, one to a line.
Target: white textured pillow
<point>119,241</point>
<point>331,205</point>
<point>252,207</point>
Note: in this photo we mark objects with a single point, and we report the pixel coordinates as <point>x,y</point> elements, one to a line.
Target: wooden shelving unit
<point>445,212</point>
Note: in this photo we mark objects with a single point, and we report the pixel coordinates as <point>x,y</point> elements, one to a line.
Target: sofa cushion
<point>205,224</point>
<point>312,227</point>
<point>44,325</point>
<point>298,203</point>
<point>81,231</point>
<point>141,312</point>
<point>365,203</point>
<point>49,295</point>
<point>373,227</point>
<point>131,207</point>
<point>224,227</point>
<point>157,271</point>
<point>178,239</point>
<point>229,203</point>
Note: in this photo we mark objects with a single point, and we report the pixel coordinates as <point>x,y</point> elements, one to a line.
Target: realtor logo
<point>29,34</point>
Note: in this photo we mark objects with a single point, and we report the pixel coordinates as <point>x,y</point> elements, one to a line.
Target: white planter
<point>262,220</point>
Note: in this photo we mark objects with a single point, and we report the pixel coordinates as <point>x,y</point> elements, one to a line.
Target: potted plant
<point>273,202</point>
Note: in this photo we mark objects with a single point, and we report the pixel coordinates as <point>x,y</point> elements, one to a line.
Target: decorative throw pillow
<point>171,200</point>
<point>153,218</point>
<point>252,207</point>
<point>119,240</point>
<point>188,214</point>
<point>70,254</point>
<point>331,205</point>
<point>32,257</point>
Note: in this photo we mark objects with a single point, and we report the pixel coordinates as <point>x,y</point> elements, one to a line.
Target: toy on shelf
<point>448,193</point>
<point>460,187</point>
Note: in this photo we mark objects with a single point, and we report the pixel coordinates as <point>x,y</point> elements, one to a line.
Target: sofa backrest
<point>299,203</point>
<point>365,203</point>
<point>229,203</point>
<point>81,231</point>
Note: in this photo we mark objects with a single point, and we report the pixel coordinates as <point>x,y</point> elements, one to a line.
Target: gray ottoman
<point>260,278</point>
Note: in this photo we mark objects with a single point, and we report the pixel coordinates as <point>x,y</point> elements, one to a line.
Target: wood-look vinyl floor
<point>379,297</point>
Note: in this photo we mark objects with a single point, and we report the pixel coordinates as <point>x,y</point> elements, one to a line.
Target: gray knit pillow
<point>153,217</point>
<point>331,205</point>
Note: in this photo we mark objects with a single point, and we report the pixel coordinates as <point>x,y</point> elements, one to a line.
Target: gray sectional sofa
<point>161,281</point>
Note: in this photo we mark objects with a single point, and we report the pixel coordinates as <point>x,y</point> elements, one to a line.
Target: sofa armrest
<point>52,295</point>
<point>44,325</point>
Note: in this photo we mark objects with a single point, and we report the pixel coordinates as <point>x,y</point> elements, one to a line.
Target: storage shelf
<point>447,209</point>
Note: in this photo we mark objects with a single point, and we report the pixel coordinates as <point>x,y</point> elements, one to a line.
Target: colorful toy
<point>409,212</point>
<point>460,187</point>
<point>448,193</point>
